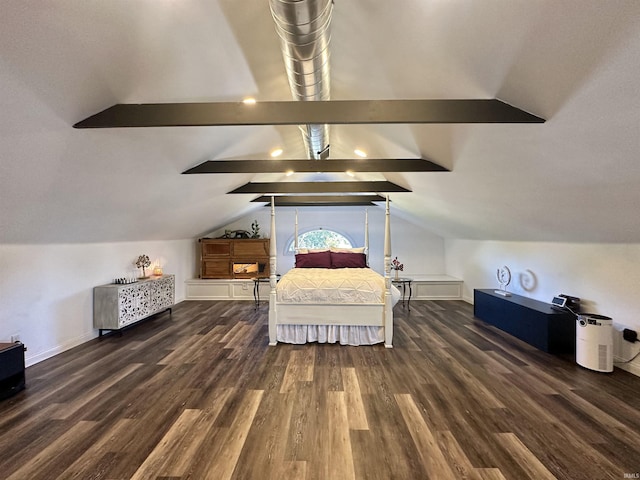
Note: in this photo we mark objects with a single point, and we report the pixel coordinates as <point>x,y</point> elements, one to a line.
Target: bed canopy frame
<point>295,228</point>
<point>358,315</point>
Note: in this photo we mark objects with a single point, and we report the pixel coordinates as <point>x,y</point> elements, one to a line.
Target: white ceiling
<point>575,178</point>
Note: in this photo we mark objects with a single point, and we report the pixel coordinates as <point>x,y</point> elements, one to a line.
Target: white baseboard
<point>74,342</point>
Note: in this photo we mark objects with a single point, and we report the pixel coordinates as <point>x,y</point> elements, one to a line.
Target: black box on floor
<point>11,369</point>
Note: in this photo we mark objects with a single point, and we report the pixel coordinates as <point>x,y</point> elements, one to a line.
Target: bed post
<point>273,251</point>
<point>388,307</point>
<point>295,235</point>
<point>366,233</point>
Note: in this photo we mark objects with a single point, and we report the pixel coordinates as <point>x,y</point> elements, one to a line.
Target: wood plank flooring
<point>200,395</point>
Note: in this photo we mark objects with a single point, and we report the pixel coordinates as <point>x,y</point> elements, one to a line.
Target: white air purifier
<point>594,342</point>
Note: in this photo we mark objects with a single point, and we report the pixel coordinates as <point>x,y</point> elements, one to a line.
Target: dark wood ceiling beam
<point>264,188</point>
<point>355,165</point>
<point>316,112</point>
<point>320,200</point>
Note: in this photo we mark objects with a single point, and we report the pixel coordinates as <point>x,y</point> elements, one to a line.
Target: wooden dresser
<point>234,258</point>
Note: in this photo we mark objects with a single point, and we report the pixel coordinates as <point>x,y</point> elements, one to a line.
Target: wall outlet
<point>15,338</point>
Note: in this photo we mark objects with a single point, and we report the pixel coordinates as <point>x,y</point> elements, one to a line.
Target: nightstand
<point>404,282</point>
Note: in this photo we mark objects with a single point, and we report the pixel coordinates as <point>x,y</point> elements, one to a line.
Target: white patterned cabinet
<point>117,306</point>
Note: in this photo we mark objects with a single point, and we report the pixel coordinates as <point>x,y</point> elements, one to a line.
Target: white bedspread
<point>333,286</point>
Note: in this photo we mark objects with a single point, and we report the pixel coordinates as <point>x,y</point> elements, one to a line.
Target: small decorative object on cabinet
<point>118,306</point>
<point>143,262</point>
<point>503,274</point>
<point>255,229</point>
<point>234,258</point>
<point>11,369</point>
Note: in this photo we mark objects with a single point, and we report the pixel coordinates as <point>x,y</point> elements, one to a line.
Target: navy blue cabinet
<point>530,320</point>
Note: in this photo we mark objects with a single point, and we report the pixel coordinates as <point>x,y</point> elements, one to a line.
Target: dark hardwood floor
<point>200,395</point>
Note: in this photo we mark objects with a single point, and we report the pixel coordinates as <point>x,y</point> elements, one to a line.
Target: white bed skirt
<point>342,334</point>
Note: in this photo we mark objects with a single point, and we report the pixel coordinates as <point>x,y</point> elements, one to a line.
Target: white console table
<point>117,306</point>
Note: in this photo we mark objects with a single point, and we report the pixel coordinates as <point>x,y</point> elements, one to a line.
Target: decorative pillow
<point>304,251</point>
<point>348,260</point>
<point>347,250</point>
<point>314,260</point>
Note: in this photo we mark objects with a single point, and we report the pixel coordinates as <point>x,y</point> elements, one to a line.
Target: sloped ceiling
<point>575,178</point>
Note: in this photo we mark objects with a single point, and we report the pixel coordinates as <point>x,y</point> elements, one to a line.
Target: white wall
<point>605,276</point>
<point>421,252</point>
<point>46,291</point>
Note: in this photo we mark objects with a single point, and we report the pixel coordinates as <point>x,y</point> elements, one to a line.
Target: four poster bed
<point>331,296</point>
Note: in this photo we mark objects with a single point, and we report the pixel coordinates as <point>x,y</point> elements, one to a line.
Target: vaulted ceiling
<point>574,178</point>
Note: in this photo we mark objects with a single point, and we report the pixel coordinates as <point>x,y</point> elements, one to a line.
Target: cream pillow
<point>348,250</point>
<point>312,250</point>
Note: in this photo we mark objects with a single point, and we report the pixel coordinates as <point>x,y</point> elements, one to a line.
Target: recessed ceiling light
<point>350,173</point>
<point>276,152</point>
<point>249,101</point>
<point>360,153</point>
<point>289,173</point>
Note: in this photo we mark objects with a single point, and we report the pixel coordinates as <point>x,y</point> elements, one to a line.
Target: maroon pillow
<point>313,260</point>
<point>348,260</point>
